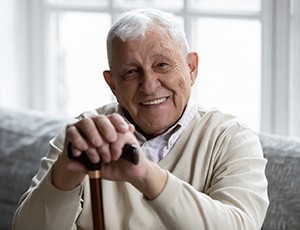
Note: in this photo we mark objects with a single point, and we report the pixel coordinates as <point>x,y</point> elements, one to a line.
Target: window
<point>230,66</point>
<point>295,52</point>
<point>229,59</point>
<point>280,72</point>
<point>81,59</point>
<point>249,56</point>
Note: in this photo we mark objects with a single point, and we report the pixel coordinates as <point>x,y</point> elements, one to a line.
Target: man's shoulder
<point>213,118</point>
<point>105,109</point>
<point>109,109</point>
<point>214,113</point>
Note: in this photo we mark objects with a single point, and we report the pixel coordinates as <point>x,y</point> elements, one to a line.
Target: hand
<point>103,137</point>
<point>93,135</point>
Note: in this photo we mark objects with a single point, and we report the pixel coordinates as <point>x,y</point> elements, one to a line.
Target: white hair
<point>133,25</point>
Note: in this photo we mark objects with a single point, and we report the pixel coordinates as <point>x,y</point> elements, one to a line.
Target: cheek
<point>182,92</point>
<point>125,93</point>
<point>184,88</point>
<point>181,82</point>
<point>183,75</point>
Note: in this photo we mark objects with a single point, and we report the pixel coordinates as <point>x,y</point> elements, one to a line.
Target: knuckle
<point>99,119</point>
<point>71,131</point>
<point>104,149</point>
<point>76,141</point>
<point>74,136</point>
<point>115,117</point>
<point>85,121</point>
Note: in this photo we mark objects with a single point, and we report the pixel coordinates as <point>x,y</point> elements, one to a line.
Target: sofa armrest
<point>24,138</point>
<point>282,171</point>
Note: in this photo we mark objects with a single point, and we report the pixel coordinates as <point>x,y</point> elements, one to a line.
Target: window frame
<point>280,110</point>
<point>280,73</point>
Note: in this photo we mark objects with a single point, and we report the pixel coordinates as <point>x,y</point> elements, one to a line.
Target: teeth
<point>155,102</point>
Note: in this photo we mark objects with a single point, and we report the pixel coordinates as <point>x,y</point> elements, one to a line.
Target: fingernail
<point>124,126</point>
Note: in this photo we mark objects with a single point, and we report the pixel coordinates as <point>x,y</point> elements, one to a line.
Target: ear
<point>192,59</point>
<point>109,81</point>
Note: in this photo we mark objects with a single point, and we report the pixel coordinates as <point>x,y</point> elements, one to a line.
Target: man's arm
<point>43,206</point>
<point>236,197</point>
<point>57,187</point>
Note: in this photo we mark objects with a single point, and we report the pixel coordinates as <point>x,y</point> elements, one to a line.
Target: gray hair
<point>133,25</point>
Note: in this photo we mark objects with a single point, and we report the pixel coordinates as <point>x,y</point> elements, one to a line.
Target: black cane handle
<point>129,153</point>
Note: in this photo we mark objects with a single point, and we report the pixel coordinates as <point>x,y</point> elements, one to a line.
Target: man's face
<point>151,79</point>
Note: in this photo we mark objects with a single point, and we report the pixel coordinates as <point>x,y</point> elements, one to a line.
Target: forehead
<point>155,43</point>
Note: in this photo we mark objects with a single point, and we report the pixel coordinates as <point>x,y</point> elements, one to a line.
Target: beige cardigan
<point>216,180</point>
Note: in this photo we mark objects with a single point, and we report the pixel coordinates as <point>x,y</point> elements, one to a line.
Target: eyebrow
<point>130,62</point>
<point>162,54</point>
<point>158,55</point>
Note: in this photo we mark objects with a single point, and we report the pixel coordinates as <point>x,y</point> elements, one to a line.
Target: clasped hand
<point>102,138</point>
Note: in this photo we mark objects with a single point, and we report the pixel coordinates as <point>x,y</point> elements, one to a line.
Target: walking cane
<point>94,171</point>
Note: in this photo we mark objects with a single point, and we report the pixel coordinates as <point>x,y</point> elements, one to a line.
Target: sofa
<point>24,137</point>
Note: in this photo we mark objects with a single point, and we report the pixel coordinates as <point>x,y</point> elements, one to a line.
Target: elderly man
<point>198,168</point>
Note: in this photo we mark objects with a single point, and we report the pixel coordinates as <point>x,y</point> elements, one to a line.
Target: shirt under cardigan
<point>216,180</point>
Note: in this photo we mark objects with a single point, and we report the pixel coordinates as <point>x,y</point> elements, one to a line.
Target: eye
<point>163,64</point>
<point>130,74</point>
<point>163,67</point>
<point>132,71</point>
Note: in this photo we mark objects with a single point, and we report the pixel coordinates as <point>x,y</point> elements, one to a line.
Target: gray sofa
<point>24,138</point>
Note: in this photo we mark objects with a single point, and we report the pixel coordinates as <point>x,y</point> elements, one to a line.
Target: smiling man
<point>151,78</point>
<point>198,168</point>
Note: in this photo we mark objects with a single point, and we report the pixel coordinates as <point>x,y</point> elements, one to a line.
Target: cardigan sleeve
<point>44,206</point>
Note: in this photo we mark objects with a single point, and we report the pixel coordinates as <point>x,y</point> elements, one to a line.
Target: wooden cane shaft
<point>97,201</point>
<point>129,153</point>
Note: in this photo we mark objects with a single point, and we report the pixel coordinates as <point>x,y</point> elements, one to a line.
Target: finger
<point>116,148</point>
<point>93,155</point>
<point>104,152</point>
<point>107,130</point>
<point>89,131</point>
<point>131,128</point>
<point>78,142</point>
<point>118,122</point>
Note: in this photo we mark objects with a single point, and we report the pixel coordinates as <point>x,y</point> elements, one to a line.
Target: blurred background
<point>52,55</point>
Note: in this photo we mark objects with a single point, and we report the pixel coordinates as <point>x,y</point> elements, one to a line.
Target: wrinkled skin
<point>151,79</point>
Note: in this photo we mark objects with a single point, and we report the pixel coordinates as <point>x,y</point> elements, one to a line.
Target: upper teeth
<point>154,102</point>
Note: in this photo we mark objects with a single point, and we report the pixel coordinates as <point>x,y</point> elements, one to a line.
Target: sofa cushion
<point>283,173</point>
<point>24,138</point>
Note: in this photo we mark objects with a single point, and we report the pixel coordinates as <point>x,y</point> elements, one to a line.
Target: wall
<point>14,53</point>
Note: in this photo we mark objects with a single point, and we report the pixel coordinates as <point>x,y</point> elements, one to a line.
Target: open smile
<point>155,102</point>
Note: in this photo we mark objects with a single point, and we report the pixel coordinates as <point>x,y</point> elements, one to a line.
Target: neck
<point>148,136</point>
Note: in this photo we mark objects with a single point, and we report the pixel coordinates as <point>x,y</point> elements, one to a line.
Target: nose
<point>149,82</point>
